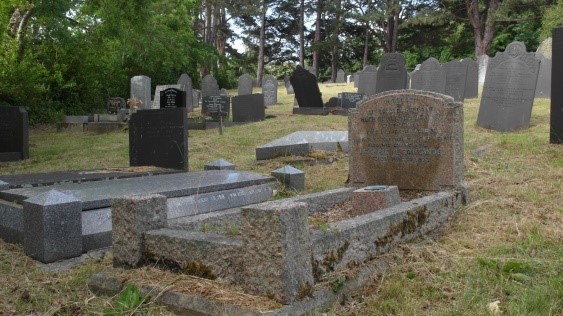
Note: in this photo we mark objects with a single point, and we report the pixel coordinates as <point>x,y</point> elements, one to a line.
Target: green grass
<point>506,245</point>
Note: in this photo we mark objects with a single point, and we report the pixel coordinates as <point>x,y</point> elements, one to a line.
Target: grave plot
<point>302,143</point>
<point>291,250</point>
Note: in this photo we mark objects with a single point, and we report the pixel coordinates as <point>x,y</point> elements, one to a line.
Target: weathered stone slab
<point>340,76</point>
<point>508,94</point>
<point>186,85</point>
<point>14,133</point>
<point>220,164</point>
<point>245,84</point>
<point>209,87</point>
<point>543,88</point>
<point>302,142</point>
<point>367,80</point>
<point>369,199</point>
<point>472,81</point>
<point>431,76</point>
<point>556,114</point>
<point>270,90</point>
<point>159,138</point>
<point>412,139</point>
<point>456,79</point>
<point>141,91</point>
<point>248,108</point>
<point>306,88</point>
<point>291,177</point>
<point>392,73</point>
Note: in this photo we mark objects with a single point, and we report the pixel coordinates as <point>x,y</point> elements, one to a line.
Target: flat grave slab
<point>302,142</point>
<point>98,194</point>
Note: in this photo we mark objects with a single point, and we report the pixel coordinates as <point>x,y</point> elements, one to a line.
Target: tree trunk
<point>483,24</point>
<point>302,33</point>
<point>335,33</point>
<point>260,71</point>
<point>20,23</point>
<point>316,47</point>
<point>366,39</point>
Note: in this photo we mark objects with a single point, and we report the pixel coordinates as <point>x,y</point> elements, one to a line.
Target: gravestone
<point>185,83</point>
<point>349,100</point>
<point>141,91</point>
<point>556,115</point>
<point>392,73</point>
<point>248,108</point>
<point>340,76</point>
<point>215,106</point>
<point>270,90</point>
<point>115,104</point>
<point>157,91</point>
<point>306,88</point>
<point>14,133</point>
<point>366,81</point>
<point>196,97</point>
<point>543,88</point>
<point>245,84</point>
<point>456,78</point>
<point>209,86</point>
<point>483,62</point>
<point>172,98</point>
<point>356,77</point>
<point>510,86</point>
<point>411,138</point>
<point>159,138</point>
<point>224,92</point>
<point>472,80</point>
<point>430,76</point>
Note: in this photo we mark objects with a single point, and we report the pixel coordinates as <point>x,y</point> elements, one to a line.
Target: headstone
<point>483,62</point>
<point>215,106</point>
<point>392,73</point>
<point>340,76</point>
<point>248,108</point>
<point>270,90</point>
<point>366,81</point>
<point>52,223</point>
<point>472,80</point>
<point>186,85</point>
<point>209,86</point>
<point>115,104</point>
<point>543,88</point>
<point>220,164</point>
<point>349,100</point>
<point>172,98</point>
<point>290,177</point>
<point>456,78</point>
<point>430,76</point>
<point>141,91</point>
<point>156,102</point>
<point>556,115</point>
<point>245,84</point>
<point>306,88</point>
<point>224,92</point>
<point>14,133</point>
<point>411,138</point>
<point>546,48</point>
<point>159,138</point>
<point>196,97</point>
<point>508,94</point>
<point>356,77</point>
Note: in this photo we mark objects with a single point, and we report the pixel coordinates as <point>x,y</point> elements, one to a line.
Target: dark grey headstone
<point>556,116</point>
<point>340,76</point>
<point>141,91</point>
<point>248,108</point>
<point>14,133</point>
<point>158,89</point>
<point>349,100</point>
<point>172,98</point>
<point>159,138</point>
<point>472,81</point>
<point>215,106</point>
<point>186,85</point>
<point>220,164</point>
<point>270,90</point>
<point>510,86</point>
<point>113,105</point>
<point>392,73</point>
<point>456,78</point>
<point>209,86</point>
<point>366,81</point>
<point>430,76</point>
<point>543,88</point>
<point>306,88</point>
<point>52,226</point>
<point>245,83</point>
<point>291,177</point>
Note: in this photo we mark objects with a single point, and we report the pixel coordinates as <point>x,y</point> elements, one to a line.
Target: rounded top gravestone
<point>392,73</point>
<point>430,76</point>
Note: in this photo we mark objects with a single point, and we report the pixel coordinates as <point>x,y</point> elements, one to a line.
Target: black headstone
<point>115,104</point>
<point>14,133</point>
<point>430,76</point>
<point>472,80</point>
<point>392,73</point>
<point>215,106</point>
<point>349,100</point>
<point>185,83</point>
<point>159,138</point>
<point>172,98</point>
<point>306,88</point>
<point>556,116</point>
<point>248,108</point>
<point>456,77</point>
<point>508,93</point>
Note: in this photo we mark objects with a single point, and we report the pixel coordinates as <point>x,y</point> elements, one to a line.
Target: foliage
<point>553,18</point>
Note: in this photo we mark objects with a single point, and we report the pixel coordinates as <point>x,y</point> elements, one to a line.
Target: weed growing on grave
<point>129,301</point>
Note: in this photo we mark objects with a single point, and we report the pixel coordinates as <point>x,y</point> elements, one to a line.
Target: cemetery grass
<point>502,250</point>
